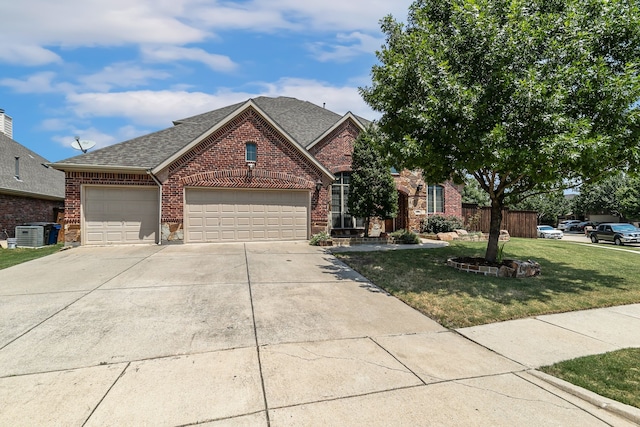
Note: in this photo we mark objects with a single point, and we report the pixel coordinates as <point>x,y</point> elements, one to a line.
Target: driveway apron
<point>264,334</point>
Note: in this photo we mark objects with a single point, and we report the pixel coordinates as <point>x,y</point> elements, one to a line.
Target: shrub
<point>440,224</point>
<point>315,240</point>
<point>406,237</point>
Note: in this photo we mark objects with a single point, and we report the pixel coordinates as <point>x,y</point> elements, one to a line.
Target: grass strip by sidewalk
<point>11,257</point>
<point>615,375</point>
<point>574,277</point>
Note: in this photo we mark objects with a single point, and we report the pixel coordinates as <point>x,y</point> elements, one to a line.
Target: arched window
<point>251,152</point>
<point>435,199</point>
<point>340,217</point>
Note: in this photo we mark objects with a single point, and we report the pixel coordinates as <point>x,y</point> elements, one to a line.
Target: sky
<point>109,71</point>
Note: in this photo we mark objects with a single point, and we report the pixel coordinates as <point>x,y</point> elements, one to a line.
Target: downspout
<point>159,205</point>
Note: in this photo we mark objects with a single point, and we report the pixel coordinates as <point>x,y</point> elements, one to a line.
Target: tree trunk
<point>366,226</point>
<point>494,230</point>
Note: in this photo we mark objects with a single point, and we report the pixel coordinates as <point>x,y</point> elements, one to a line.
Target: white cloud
<point>97,23</point>
<point>174,53</point>
<point>26,54</point>
<point>34,27</point>
<point>122,74</point>
<point>37,83</point>
<point>296,15</point>
<point>349,46</point>
<point>160,108</point>
<point>147,107</point>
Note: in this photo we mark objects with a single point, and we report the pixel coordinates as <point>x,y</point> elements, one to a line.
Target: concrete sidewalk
<point>264,334</point>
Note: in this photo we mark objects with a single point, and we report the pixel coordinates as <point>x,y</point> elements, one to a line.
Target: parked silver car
<point>566,224</point>
<point>618,233</point>
<point>548,232</point>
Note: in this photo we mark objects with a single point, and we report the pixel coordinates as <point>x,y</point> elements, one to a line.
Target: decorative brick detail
<point>244,178</point>
<point>17,210</point>
<point>219,162</point>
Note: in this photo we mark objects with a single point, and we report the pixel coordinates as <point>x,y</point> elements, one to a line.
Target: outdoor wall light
<point>420,186</point>
<point>251,165</point>
<point>318,185</point>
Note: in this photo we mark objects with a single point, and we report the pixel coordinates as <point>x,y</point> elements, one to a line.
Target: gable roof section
<point>299,121</point>
<point>250,104</point>
<point>349,116</point>
<point>36,179</point>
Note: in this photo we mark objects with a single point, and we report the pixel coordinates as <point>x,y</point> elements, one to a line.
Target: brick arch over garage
<point>244,178</point>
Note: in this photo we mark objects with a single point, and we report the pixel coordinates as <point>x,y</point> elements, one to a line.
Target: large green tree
<point>548,206</point>
<point>602,197</point>
<point>630,198</point>
<point>372,191</point>
<point>523,95</point>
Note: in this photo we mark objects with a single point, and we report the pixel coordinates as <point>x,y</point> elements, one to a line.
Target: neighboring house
<point>264,169</point>
<point>30,191</point>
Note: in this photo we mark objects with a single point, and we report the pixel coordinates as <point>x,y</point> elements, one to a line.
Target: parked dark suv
<point>618,233</point>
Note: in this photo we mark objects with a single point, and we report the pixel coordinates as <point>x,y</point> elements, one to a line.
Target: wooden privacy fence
<point>517,223</point>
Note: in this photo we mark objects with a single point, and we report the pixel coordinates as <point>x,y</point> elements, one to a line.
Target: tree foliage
<point>617,195</point>
<point>548,206</point>
<point>472,193</point>
<point>601,197</point>
<point>372,191</point>
<point>526,96</point>
<point>630,199</point>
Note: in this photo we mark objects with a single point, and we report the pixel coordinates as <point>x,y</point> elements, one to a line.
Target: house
<point>264,169</point>
<point>30,191</point>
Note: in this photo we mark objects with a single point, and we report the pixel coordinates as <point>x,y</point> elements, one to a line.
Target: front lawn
<point>615,375</point>
<point>574,277</point>
<point>10,257</point>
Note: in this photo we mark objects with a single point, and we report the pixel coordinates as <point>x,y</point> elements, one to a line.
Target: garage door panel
<point>246,215</point>
<point>119,215</point>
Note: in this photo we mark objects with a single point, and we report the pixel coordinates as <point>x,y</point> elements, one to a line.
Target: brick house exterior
<point>30,191</point>
<point>299,147</point>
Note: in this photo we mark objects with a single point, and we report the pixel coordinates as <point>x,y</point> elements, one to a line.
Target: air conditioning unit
<point>30,236</point>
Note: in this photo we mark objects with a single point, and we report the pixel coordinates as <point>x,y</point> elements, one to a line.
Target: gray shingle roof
<point>36,180</point>
<point>302,120</point>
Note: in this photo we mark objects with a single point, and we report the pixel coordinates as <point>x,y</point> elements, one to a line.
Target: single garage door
<point>245,215</point>
<point>120,215</point>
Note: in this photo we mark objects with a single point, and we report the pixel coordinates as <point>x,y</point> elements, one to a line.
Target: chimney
<point>6,124</point>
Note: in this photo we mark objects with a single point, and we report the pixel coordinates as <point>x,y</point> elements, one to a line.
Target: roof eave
<point>74,167</point>
<point>31,194</point>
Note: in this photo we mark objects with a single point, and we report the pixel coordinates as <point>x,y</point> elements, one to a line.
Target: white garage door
<point>245,215</point>
<point>120,215</point>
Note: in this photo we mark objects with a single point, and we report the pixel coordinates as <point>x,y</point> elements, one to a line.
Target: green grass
<point>11,257</point>
<point>574,277</point>
<point>615,375</point>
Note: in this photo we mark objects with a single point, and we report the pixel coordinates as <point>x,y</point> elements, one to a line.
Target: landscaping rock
<point>525,268</point>
<point>447,236</point>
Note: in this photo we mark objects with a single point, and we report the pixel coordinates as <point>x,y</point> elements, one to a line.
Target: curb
<point>626,411</point>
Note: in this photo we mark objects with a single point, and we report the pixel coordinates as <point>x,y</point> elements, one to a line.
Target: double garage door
<point>119,215</point>
<point>245,215</point>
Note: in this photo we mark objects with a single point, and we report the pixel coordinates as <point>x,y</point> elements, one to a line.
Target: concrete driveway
<point>257,334</point>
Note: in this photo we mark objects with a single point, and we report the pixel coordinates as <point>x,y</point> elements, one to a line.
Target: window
<point>340,217</point>
<point>251,152</point>
<point>435,199</point>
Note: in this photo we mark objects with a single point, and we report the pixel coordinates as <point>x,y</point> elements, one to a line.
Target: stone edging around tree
<point>508,268</point>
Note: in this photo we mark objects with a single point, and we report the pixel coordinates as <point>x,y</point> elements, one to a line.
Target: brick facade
<point>334,151</point>
<point>18,210</point>
<point>218,161</point>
